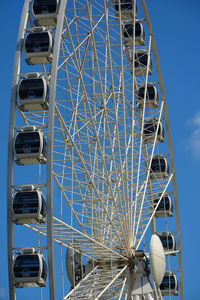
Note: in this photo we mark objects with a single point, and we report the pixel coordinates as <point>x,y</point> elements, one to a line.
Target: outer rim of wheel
<point>10,163</point>
<point>169,145</point>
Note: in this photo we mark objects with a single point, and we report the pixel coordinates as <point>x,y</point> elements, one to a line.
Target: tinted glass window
<point>141,92</point>
<point>168,283</point>
<point>164,241</point>
<point>164,204</point>
<point>143,35</point>
<point>25,202</point>
<point>26,266</point>
<point>31,89</point>
<point>137,29</point>
<point>141,59</point>
<point>44,270</point>
<point>77,267</point>
<point>158,165</point>
<point>44,149</point>
<point>125,5</point>
<point>167,242</point>
<point>128,30</point>
<point>27,142</point>
<point>149,128</point>
<point>44,6</point>
<point>37,42</point>
<point>47,94</point>
<point>44,207</point>
<point>150,92</point>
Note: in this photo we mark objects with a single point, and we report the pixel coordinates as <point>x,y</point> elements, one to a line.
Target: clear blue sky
<point>176,28</point>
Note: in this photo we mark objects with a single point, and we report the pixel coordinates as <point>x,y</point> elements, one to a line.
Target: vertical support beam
<point>10,241</point>
<point>57,41</point>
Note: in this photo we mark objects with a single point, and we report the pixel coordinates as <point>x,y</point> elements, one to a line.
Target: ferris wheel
<point>92,199</point>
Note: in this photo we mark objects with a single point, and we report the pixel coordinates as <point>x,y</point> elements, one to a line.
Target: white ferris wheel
<point>92,198</point>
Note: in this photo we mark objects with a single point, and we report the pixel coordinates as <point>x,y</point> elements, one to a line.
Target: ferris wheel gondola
<point>169,285</point>
<point>45,12</point>
<point>159,168</point>
<point>30,146</point>
<point>165,207</point>
<point>168,242</point>
<point>141,63</point>
<point>29,269</point>
<point>150,130</point>
<point>33,92</point>
<point>151,99</point>
<point>29,206</point>
<point>38,46</point>
<point>128,35</point>
<point>126,7</point>
<point>74,265</point>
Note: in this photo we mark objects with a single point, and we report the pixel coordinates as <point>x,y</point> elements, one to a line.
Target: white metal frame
<point>112,168</point>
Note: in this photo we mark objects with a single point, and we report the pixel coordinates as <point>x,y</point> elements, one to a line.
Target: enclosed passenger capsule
<point>126,7</point>
<point>45,12</point>
<point>152,97</point>
<point>29,206</point>
<point>38,46</point>
<point>168,241</point>
<point>74,266</point>
<point>128,33</point>
<point>29,269</point>
<point>159,168</point>
<point>30,146</point>
<point>149,132</point>
<point>141,63</point>
<point>33,92</point>
<point>165,207</point>
<point>169,285</point>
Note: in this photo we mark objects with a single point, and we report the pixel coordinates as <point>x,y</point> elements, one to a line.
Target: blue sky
<point>176,28</point>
